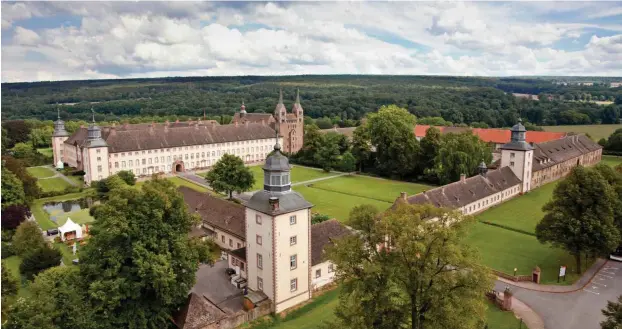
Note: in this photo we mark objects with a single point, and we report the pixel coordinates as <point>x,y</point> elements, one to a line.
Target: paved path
<point>580,305</point>
<point>58,174</point>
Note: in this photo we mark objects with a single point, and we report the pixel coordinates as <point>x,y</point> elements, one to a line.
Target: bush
<point>27,237</point>
<point>318,218</point>
<point>14,215</point>
<point>128,177</point>
<point>38,260</point>
<point>7,250</point>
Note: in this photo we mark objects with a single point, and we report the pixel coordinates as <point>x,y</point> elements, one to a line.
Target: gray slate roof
<point>138,137</point>
<point>289,201</point>
<point>276,161</point>
<point>557,151</point>
<point>198,313</point>
<point>322,235</point>
<point>459,194</point>
<point>253,117</point>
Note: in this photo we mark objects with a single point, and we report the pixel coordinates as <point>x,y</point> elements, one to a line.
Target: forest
<point>342,98</point>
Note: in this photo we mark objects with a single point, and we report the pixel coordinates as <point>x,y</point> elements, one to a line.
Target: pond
<point>58,210</point>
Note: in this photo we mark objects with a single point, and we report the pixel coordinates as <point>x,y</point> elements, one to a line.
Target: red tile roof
<point>498,136</point>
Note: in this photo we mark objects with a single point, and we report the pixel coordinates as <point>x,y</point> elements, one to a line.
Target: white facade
<point>521,163</point>
<point>58,149</point>
<point>95,164</point>
<point>322,274</point>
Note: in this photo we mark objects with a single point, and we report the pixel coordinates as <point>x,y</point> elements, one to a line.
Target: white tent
<point>69,227</point>
<point>60,165</point>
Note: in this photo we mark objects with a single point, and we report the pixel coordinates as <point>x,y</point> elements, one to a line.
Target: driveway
<point>214,284</point>
<point>574,310</point>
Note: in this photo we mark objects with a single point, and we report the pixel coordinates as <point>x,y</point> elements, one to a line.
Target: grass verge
<point>52,184</point>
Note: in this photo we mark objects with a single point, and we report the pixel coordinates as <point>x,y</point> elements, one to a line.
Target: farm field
<point>521,213</point>
<point>370,187</point>
<point>40,172</point>
<point>52,184</point>
<point>595,131</point>
<point>611,160</point>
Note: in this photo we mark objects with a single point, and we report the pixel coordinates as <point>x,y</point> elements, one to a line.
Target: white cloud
<point>121,39</point>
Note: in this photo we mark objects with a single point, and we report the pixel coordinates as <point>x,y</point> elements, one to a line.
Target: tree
<point>324,123</point>
<point>230,174</point>
<point>347,162</point>
<point>317,218</point>
<point>614,179</point>
<point>27,237</point>
<point>14,215</point>
<point>311,145</point>
<point>41,137</point>
<point>327,157</point>
<point>614,142</point>
<point>58,301</point>
<point>12,189</point>
<point>127,176</point>
<point>430,145</point>
<point>460,154</point>
<point>5,141</point>
<point>22,151</point>
<point>426,277</point>
<point>580,216</point>
<point>9,283</point>
<point>613,315</point>
<point>140,264</point>
<point>39,259</point>
<point>391,132</point>
<point>18,167</point>
<point>361,145</point>
<point>17,131</point>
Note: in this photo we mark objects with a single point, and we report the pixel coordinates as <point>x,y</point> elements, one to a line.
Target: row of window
<point>292,219</point>
<point>222,238</point>
<point>205,146</point>
<point>488,201</point>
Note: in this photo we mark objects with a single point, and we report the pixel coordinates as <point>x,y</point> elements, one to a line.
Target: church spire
<point>297,96</point>
<point>281,96</point>
<point>59,125</point>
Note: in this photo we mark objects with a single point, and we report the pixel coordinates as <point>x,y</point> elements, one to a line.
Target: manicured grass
<point>504,250</point>
<point>299,174</point>
<point>67,252</point>
<point>499,319</point>
<point>46,151</point>
<point>79,217</point>
<point>611,160</point>
<point>52,184</point>
<point>595,131</point>
<point>523,212</point>
<point>76,179</point>
<point>40,172</point>
<point>370,187</point>
<point>181,182</point>
<point>12,264</point>
<point>337,205</point>
<point>43,218</point>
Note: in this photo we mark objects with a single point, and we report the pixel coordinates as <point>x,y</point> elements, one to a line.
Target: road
<point>574,310</point>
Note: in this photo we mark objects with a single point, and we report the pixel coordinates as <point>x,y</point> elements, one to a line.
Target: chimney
<point>274,203</point>
<point>403,195</point>
<point>463,178</point>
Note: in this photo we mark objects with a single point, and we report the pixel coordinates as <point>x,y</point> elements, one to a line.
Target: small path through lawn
<point>57,174</point>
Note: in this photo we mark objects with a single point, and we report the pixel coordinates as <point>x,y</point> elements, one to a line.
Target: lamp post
<point>515,269</point>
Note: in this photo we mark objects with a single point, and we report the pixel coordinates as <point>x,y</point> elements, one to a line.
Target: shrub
<point>128,177</point>
<point>7,250</point>
<point>27,237</point>
<point>38,260</point>
<point>318,218</point>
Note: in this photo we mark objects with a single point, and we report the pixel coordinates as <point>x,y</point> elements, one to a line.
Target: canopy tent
<point>70,230</point>
<point>60,165</point>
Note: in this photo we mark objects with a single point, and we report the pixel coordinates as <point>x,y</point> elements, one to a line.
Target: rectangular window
<point>292,240</point>
<point>239,245</point>
<point>222,237</point>
<point>292,220</point>
<point>116,165</point>
<point>144,171</point>
<point>258,239</point>
<point>293,262</point>
<point>156,159</point>
<point>168,158</point>
<point>284,179</point>
<point>318,273</point>
<point>331,268</point>
<point>258,219</point>
<point>131,163</point>
<point>512,164</point>
<point>230,242</point>
<point>99,159</point>
<point>259,283</point>
<point>512,155</point>
<point>98,151</point>
<point>293,285</point>
<point>144,161</point>
<point>99,168</point>
<point>122,164</point>
<point>259,261</point>
<point>275,180</point>
<point>150,161</point>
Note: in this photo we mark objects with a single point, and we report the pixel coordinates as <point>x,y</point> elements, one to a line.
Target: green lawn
<point>611,160</point>
<point>76,179</point>
<point>40,172</point>
<point>43,218</point>
<point>46,151</point>
<point>12,264</point>
<point>370,187</point>
<point>523,212</point>
<point>299,174</point>
<point>52,184</point>
<point>79,217</point>
<point>335,204</point>
<point>505,250</point>
<point>595,131</point>
<point>499,319</point>
<point>67,252</point>
<point>182,182</point>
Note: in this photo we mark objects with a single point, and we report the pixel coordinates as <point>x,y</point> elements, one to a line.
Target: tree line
<point>455,99</point>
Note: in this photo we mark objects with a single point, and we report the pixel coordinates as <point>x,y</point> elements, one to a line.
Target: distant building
<point>615,84</point>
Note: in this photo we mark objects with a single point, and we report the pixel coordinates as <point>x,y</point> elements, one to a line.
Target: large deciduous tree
<point>27,237</point>
<point>430,145</point>
<point>613,315</point>
<point>18,167</point>
<point>140,264</point>
<point>409,268</point>
<point>580,216</point>
<point>12,189</point>
<point>17,131</point>
<point>361,145</point>
<point>39,259</point>
<point>230,174</point>
<point>460,154</point>
<point>14,215</point>
<point>391,132</point>
<point>614,142</point>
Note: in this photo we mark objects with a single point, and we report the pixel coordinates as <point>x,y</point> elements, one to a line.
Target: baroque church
<point>171,147</point>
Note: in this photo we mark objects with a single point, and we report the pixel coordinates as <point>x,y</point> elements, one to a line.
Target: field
<point>595,131</point>
<point>370,187</point>
<point>299,174</point>
<point>611,160</point>
<point>40,172</point>
<point>52,184</point>
<point>521,213</point>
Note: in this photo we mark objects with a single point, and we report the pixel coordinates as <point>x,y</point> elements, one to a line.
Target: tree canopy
<point>424,277</point>
<point>613,315</point>
<point>460,154</point>
<point>12,189</point>
<point>230,174</point>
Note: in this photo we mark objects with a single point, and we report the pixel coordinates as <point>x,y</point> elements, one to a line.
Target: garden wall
<point>237,319</point>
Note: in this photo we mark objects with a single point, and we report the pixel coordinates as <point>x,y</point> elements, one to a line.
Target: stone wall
<point>235,320</point>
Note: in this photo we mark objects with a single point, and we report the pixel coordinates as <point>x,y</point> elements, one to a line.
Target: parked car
<point>230,271</point>
<point>52,231</point>
<point>617,254</point>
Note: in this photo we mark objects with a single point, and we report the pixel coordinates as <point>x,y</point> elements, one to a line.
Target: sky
<point>100,40</point>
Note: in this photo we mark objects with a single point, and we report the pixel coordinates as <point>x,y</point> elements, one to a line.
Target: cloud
<point>132,39</point>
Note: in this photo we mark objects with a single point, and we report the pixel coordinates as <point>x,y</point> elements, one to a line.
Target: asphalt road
<point>574,310</point>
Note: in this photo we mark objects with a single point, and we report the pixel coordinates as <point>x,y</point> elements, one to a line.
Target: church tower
<point>95,155</point>
<point>518,155</point>
<point>278,237</point>
<point>59,136</point>
<point>280,112</point>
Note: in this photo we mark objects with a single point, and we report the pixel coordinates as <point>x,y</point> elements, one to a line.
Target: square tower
<point>278,237</point>
<point>518,155</point>
<point>59,137</point>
